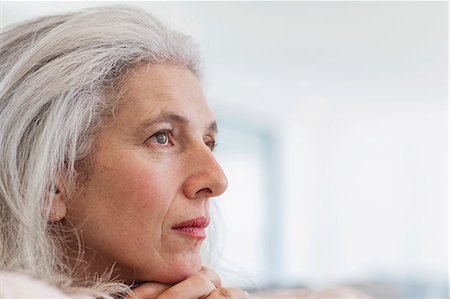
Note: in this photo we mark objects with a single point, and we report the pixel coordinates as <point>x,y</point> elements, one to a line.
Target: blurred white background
<point>334,135</point>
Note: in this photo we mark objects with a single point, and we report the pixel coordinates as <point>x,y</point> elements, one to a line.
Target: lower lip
<point>194,232</point>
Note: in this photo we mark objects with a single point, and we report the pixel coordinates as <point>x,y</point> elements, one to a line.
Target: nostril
<point>205,190</point>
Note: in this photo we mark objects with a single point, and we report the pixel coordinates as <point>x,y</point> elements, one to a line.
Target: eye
<point>162,138</point>
<point>211,143</point>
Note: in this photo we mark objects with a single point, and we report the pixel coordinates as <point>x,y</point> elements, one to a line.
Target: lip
<point>194,228</point>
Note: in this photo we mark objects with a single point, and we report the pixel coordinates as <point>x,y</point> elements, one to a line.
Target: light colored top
<point>15,285</point>
<point>19,286</point>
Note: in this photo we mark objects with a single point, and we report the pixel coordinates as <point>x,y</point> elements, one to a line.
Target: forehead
<point>162,88</point>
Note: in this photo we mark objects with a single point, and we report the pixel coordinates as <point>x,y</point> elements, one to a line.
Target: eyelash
<point>212,143</point>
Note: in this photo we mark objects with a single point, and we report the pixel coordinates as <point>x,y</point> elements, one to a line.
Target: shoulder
<point>15,285</point>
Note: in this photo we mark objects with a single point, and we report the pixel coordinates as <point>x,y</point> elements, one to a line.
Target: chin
<point>174,272</point>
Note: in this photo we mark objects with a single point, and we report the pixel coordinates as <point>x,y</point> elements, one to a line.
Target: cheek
<point>125,205</point>
<point>135,188</point>
<point>129,203</point>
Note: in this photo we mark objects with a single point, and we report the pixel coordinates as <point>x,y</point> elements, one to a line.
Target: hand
<point>205,284</point>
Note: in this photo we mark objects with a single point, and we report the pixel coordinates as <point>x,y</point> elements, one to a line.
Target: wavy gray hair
<point>60,80</point>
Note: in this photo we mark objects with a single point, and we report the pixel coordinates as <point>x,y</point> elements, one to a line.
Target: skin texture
<point>205,284</point>
<point>143,182</point>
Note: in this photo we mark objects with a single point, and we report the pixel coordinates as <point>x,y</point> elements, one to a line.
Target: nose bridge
<point>206,175</point>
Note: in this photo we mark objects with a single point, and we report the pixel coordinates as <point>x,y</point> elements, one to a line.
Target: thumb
<point>148,290</point>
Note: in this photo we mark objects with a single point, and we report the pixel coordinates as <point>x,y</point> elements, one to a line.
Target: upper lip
<point>195,222</point>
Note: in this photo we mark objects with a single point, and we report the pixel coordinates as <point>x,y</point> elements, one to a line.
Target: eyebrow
<point>174,118</point>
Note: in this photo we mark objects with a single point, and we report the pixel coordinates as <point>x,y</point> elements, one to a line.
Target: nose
<point>206,178</point>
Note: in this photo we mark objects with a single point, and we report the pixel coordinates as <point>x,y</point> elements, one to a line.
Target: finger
<point>148,290</point>
<point>197,286</point>
<point>228,293</point>
<point>212,275</point>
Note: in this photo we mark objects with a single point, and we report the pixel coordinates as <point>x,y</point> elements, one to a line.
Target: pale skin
<point>153,168</point>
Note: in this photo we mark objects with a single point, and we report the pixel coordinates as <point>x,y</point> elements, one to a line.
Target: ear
<point>58,210</point>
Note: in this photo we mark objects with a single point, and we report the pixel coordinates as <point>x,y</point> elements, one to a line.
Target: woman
<point>106,165</point>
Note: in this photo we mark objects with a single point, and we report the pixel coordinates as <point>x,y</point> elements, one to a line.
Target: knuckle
<point>225,293</point>
<point>147,291</point>
<point>207,272</point>
<point>231,293</point>
<point>211,276</point>
<point>201,279</point>
<point>171,294</point>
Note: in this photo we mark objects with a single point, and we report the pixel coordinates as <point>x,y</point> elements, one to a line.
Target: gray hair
<point>60,80</point>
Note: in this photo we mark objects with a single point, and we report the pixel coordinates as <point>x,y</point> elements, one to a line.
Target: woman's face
<point>145,202</point>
